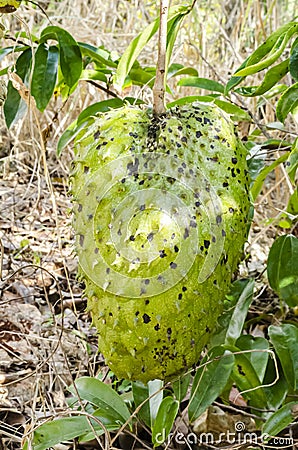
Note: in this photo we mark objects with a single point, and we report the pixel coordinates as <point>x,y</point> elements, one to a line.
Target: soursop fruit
<point>161,210</point>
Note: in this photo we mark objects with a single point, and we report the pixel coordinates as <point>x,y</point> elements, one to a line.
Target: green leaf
<point>191,99</point>
<point>172,32</point>
<point>136,46</point>
<point>102,396</point>
<point>293,161</point>
<point>258,184</point>
<point>141,77</point>
<point>258,359</point>
<point>234,81</point>
<point>282,268</point>
<point>51,433</point>
<point>13,49</point>
<point>99,55</point>
<point>273,75</point>
<point>164,420</point>
<point>210,380</point>
<point>156,394</point>
<point>287,102</point>
<point>140,394</point>
<point>236,112</point>
<point>284,339</point>
<point>44,74</point>
<point>239,314</point>
<point>258,54</point>
<point>14,107</point>
<point>278,389</point>
<point>255,63</point>
<point>178,69</point>
<point>180,386</point>
<point>70,53</point>
<point>202,83</point>
<point>96,75</point>
<point>294,60</point>
<point>247,380</point>
<point>280,420</point>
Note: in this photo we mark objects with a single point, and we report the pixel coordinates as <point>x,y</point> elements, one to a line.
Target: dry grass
<point>45,335</point>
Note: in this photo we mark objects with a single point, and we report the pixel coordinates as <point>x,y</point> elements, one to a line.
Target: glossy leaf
<point>287,102</point>
<point>172,32</point>
<point>239,314</point>
<point>102,396</point>
<point>95,75</point>
<point>284,339</point>
<point>272,77</point>
<point>70,53</point>
<point>164,420</point>
<point>258,359</point>
<point>258,55</point>
<point>256,63</point>
<point>210,380</point>
<point>178,69</point>
<point>136,46</point>
<point>99,55</point>
<point>44,74</point>
<point>282,268</point>
<point>202,83</point>
<point>258,184</point>
<point>294,60</point>
<point>280,419</point>
<point>191,99</point>
<point>235,111</point>
<point>14,107</point>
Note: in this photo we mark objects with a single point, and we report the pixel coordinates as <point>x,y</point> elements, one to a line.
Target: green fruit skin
<point>144,337</point>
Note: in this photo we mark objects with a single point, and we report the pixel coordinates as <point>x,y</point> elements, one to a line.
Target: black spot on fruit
<point>146,318</point>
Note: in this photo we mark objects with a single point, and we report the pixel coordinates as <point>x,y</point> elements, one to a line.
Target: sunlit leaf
<point>235,111</point>
<point>256,63</point>
<point>272,76</point>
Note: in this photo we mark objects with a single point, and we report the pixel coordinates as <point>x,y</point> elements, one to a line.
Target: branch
<point>159,85</point>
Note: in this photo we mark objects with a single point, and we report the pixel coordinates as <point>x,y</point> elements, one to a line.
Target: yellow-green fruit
<point>161,211</point>
<point>9,6</point>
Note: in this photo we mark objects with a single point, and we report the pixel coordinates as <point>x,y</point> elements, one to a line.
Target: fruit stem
<point>159,85</point>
